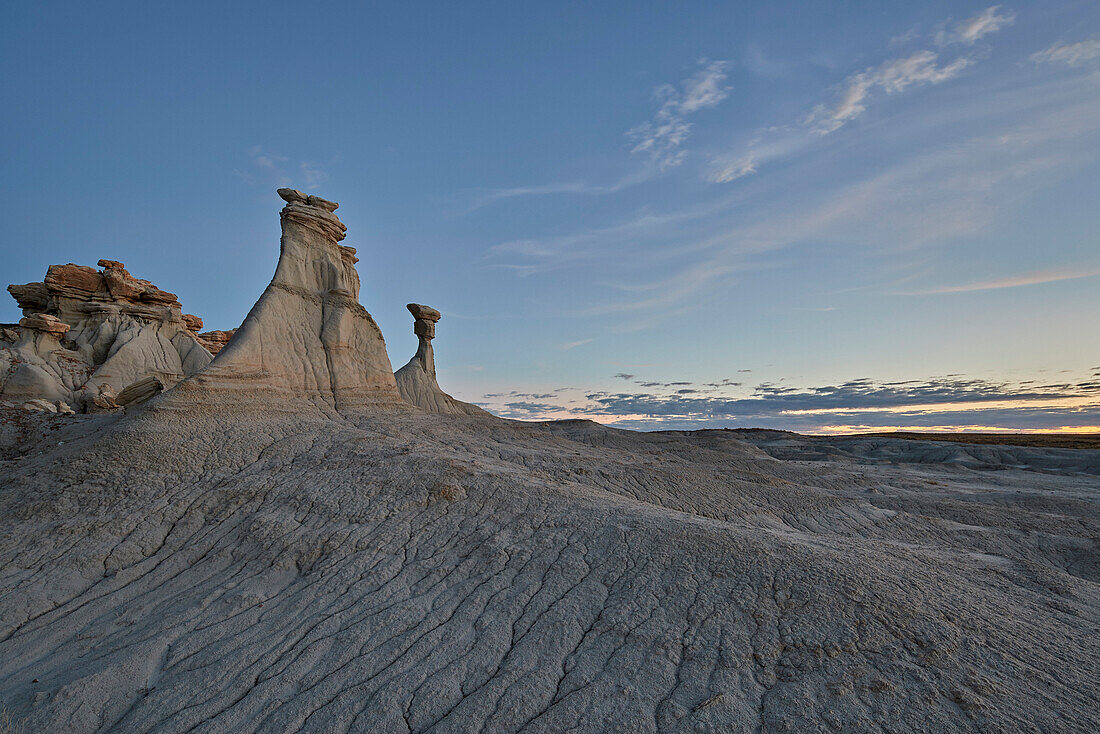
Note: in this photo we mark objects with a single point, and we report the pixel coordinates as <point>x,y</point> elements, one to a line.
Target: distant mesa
<point>417,379</point>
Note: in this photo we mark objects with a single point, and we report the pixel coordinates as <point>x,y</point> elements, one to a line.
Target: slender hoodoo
<point>417,380</point>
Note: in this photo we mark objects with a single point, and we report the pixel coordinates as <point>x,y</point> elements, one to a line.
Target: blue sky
<point>818,216</point>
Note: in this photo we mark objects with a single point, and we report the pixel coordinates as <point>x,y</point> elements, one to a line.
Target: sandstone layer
<point>215,341</point>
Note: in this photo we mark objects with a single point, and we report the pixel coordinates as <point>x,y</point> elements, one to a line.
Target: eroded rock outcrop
<point>417,381</point>
<point>86,331</point>
<point>140,391</point>
<point>34,364</point>
<point>307,339</point>
<point>215,341</point>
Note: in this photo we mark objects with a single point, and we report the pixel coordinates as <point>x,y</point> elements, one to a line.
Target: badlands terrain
<point>276,534</point>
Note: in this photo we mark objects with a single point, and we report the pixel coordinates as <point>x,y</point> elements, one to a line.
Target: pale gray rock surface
<point>417,380</point>
<point>281,544</point>
<point>35,366</point>
<point>307,340</point>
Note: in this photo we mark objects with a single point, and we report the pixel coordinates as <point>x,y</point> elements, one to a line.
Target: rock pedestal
<point>424,328</point>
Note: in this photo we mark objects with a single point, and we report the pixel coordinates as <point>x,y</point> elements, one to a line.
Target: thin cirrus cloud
<point>1033,278</point>
<point>1023,138</point>
<point>1070,54</point>
<point>484,197</point>
<point>957,169</point>
<point>894,76</point>
<point>972,30</point>
<point>532,256</point>
<point>266,168</point>
<point>662,137</point>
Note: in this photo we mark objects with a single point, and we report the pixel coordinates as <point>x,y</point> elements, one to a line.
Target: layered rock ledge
<point>87,333</point>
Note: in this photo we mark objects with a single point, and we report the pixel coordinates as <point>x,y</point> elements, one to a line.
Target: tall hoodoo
<point>424,328</point>
<point>417,381</point>
<point>307,337</point>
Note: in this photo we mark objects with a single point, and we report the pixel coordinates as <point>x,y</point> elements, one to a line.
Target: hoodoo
<point>417,381</point>
<point>307,339</point>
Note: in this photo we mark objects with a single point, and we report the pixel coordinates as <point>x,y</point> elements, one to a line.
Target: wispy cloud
<point>972,30</point>
<point>950,172</point>
<point>734,169</point>
<point>662,137</point>
<point>532,256</point>
<point>573,345</point>
<point>1033,278</point>
<point>893,76</point>
<point>485,197</point>
<point>1070,54</point>
<point>758,62</point>
<point>266,168</point>
<point>1023,138</point>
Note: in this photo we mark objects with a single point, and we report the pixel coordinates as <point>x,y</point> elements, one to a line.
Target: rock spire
<point>307,338</point>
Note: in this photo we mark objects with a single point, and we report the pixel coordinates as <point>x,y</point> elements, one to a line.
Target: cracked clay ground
<point>178,571</point>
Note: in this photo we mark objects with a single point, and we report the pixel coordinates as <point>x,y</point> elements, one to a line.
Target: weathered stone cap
<point>312,212</point>
<point>423,312</point>
<point>44,322</point>
<point>294,196</point>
